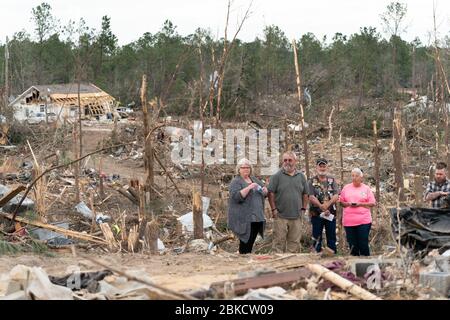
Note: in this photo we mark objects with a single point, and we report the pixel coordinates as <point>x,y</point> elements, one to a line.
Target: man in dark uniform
<point>323,195</point>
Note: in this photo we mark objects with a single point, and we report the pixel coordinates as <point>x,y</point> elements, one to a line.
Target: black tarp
<point>422,228</point>
<point>87,280</point>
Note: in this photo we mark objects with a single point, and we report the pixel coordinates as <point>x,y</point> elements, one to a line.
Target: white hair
<point>242,162</point>
<point>358,171</point>
<point>291,154</point>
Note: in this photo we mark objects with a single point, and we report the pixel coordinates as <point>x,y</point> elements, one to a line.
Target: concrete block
<point>439,281</point>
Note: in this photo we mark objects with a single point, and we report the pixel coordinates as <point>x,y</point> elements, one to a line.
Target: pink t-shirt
<point>359,215</point>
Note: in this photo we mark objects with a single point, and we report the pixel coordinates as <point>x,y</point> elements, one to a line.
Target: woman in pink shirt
<point>357,199</point>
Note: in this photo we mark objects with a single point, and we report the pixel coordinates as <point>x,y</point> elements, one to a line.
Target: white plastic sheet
<point>187,220</point>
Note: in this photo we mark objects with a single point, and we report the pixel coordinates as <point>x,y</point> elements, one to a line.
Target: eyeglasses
<point>245,167</point>
<point>288,160</point>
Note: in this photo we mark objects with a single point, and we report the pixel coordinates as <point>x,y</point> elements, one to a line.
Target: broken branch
<point>342,283</point>
<point>59,167</point>
<point>69,233</point>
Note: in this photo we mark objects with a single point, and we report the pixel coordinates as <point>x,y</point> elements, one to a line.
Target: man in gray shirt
<point>288,198</point>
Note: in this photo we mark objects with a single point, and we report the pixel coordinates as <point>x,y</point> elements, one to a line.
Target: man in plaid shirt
<point>438,189</point>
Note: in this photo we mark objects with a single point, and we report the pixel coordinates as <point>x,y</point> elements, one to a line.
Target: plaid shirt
<point>434,187</point>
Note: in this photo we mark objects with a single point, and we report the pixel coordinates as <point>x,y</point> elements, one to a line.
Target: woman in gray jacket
<point>246,206</point>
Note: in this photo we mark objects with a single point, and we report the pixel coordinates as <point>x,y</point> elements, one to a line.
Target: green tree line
<point>364,64</point>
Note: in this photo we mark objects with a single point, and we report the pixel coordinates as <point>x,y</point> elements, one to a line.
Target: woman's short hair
<point>242,162</point>
<point>358,171</point>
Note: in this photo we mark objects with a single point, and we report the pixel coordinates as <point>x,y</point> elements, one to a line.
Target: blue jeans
<point>358,239</point>
<point>330,231</point>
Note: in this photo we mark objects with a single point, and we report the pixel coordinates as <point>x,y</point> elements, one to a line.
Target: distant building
<point>62,101</point>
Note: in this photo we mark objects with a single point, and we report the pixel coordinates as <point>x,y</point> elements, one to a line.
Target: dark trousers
<point>358,239</point>
<point>330,231</point>
<point>245,248</point>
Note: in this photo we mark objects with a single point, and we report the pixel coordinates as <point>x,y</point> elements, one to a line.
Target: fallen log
<point>68,233</point>
<point>344,284</point>
<point>126,194</point>
<point>241,286</point>
<point>223,239</point>
<point>133,192</point>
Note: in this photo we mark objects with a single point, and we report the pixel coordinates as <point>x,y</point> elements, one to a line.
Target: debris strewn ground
<point>57,237</point>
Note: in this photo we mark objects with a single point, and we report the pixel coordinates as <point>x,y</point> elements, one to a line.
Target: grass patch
<point>29,245</point>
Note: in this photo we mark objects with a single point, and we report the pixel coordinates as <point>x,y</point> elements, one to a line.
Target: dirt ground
<point>92,138</point>
<point>184,272</point>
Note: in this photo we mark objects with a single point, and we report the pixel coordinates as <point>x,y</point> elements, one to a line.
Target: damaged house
<point>61,100</point>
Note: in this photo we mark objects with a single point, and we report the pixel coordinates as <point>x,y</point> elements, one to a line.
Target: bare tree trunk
<point>197,215</point>
<point>286,134</point>
<point>101,179</point>
<point>404,148</point>
<point>377,171</point>
<point>340,209</point>
<point>141,211</point>
<point>414,84</point>
<point>436,86</point>
<point>433,93</point>
<point>396,152</point>
<point>341,160</point>
<point>212,85</point>
<point>151,236</point>
<point>226,51</point>
<point>148,159</point>
<point>93,221</point>
<point>330,124</point>
<point>76,166</point>
<point>302,117</point>
<point>6,75</point>
<point>202,118</point>
<point>440,67</point>
<point>418,190</point>
<point>79,150</point>
<point>79,115</point>
<point>447,136</point>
